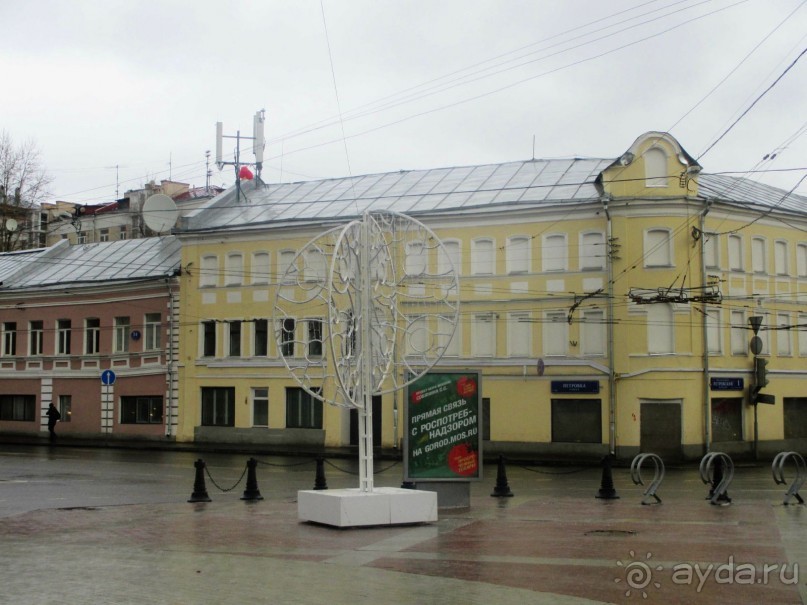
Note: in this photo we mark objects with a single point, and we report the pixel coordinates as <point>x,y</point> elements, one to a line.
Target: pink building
<point>91,329</point>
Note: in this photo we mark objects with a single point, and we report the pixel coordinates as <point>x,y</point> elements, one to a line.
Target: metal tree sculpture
<point>388,292</point>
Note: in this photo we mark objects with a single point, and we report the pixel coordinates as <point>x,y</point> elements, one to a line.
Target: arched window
<point>655,168</point>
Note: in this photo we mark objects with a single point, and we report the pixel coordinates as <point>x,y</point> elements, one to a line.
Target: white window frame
<point>801,259</point>
<point>35,338</point>
<point>655,167</point>
<point>739,335</point>
<point>658,254</point>
<point>417,258</point>
<point>518,254</point>
<point>152,331</point>
<point>483,337</point>
<point>759,255</point>
<point>714,332</point>
<point>261,267</point>
<point>209,271</point>
<point>736,257</point>
<point>592,330</point>
<point>121,331</point>
<point>555,334</point>
<point>784,338</point>
<point>802,335</point>
<point>450,254</point>
<point>453,347</point>
<point>519,334</point>
<point>285,258</point>
<point>92,336</point>
<point>260,394</point>
<point>555,252</point>
<point>592,254</point>
<point>711,250</point>
<point>657,317</point>
<point>483,256</point>
<point>63,336</point>
<point>234,269</point>
<point>781,253</point>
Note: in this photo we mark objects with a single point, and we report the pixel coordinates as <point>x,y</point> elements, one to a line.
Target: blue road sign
<point>107,377</point>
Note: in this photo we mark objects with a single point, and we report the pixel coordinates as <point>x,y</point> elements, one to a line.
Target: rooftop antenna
<point>258,144</point>
<point>208,172</point>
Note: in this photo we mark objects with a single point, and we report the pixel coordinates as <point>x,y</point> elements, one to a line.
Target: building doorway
<point>660,429</point>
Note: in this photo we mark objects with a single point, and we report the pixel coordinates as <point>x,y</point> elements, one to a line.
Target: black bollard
<point>717,478</point>
<point>607,491</point>
<point>199,488</point>
<point>319,482</point>
<point>502,489</point>
<point>251,492</point>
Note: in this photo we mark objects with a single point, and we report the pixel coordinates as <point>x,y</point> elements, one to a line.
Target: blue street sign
<point>107,377</point>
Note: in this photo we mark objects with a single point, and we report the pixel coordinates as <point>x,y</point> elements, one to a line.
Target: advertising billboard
<point>443,421</point>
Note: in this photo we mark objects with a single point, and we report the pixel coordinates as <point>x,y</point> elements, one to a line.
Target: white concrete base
<point>353,507</point>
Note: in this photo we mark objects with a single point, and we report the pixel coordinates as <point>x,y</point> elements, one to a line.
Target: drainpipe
<point>610,332</point>
<point>170,370</point>
<point>707,419</point>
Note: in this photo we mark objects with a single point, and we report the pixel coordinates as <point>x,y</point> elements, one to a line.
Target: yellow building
<point>605,302</point>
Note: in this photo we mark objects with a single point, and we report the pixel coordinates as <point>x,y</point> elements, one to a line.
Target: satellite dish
<point>160,213</point>
<point>11,225</point>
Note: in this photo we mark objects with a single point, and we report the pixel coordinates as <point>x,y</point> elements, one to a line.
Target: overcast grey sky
<point>140,84</point>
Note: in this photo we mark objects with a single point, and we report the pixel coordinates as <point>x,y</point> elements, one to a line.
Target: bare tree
<point>23,186</point>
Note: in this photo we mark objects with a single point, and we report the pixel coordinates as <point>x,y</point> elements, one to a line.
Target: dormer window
<point>655,168</point>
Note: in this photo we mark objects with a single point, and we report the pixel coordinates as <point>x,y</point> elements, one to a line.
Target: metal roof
<point>411,192</point>
<point>10,262</point>
<point>540,182</point>
<point>63,264</point>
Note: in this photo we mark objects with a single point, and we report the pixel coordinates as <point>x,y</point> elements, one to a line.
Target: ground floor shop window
<point>18,407</point>
<point>303,411</point>
<point>795,410</point>
<point>727,419</point>
<point>577,421</point>
<point>140,410</point>
<point>66,407</point>
<point>218,406</point>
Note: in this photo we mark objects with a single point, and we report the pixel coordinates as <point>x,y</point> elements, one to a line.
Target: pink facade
<point>55,345</point>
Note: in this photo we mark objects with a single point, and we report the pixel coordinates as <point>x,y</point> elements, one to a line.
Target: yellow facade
<point>589,318</point>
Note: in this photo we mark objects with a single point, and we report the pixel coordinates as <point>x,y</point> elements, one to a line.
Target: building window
<point>448,342</point>
<point>234,338</point>
<point>660,329</point>
<point>260,268</point>
<point>82,237</point>
<point>287,328</point>
<point>735,253</point>
<point>759,262</point>
<point>208,339</point>
<point>554,252</point>
<point>65,407</point>
<point>36,329</point>
<point>123,233</point>
<point>592,332</point>
<point>18,407</point>
<point>122,327</point>
<point>657,248</point>
<point>303,411</point>
<point>780,257</point>
<point>519,334</point>
<point>315,266</point>
<point>218,406</point>
<point>449,257</point>
<point>209,272</point>
<point>483,337</point>
<point>417,336</point>
<point>153,331</point>
<point>711,250</point>
<point>141,410</point>
<point>795,417</point>
<point>416,259</point>
<point>727,419</point>
<point>739,334</point>
<point>260,407</point>
<point>314,337</point>
<point>260,338</point>
<point>518,254</point>
<point>103,235</point>
<point>9,338</point>
<point>802,335</point>
<point>234,269</point>
<point>577,421</point>
<point>63,331</point>
<point>655,167</point>
<point>784,345</point>
<point>592,251</point>
<point>801,260</point>
<point>285,270</point>
<point>713,331</point>
<point>556,334</point>
<point>92,336</point>
<point>483,257</point>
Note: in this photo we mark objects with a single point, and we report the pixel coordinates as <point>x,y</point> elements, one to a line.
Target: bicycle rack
<point>717,470</point>
<point>658,476</point>
<point>779,474</point>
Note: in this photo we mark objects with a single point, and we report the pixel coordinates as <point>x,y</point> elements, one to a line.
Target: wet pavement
<point>114,526</point>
